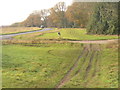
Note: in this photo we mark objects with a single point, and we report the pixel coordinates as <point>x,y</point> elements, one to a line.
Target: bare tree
<point>58,11</point>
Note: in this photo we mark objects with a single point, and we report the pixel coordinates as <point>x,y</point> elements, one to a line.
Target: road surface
<point>9,36</point>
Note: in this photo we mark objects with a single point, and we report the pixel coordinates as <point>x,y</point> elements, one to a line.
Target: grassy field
<point>40,66</point>
<point>66,34</point>
<point>46,65</point>
<point>10,30</point>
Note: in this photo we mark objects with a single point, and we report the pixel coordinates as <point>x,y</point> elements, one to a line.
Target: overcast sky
<point>18,10</point>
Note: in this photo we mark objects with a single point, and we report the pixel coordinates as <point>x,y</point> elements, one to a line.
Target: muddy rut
<point>89,59</point>
<point>66,77</point>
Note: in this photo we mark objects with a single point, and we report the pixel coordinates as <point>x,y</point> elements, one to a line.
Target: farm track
<point>90,55</point>
<point>96,65</point>
<point>79,70</point>
<point>89,65</point>
<point>96,41</point>
<point>66,77</point>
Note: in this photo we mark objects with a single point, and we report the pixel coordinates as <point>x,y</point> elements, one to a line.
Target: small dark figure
<point>42,26</point>
<point>59,33</point>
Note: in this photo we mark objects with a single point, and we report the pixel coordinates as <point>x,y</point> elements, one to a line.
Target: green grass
<point>66,34</point>
<point>44,65</point>
<point>106,71</point>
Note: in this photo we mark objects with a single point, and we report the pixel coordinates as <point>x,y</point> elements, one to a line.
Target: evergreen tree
<point>104,19</point>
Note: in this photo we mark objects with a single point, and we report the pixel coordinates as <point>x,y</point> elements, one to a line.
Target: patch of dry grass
<point>14,41</point>
<point>113,44</point>
<point>9,30</point>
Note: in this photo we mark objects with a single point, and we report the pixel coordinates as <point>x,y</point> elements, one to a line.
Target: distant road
<point>9,36</point>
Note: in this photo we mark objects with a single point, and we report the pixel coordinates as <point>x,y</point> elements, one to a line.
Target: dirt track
<point>90,55</point>
<point>66,77</point>
<point>96,41</point>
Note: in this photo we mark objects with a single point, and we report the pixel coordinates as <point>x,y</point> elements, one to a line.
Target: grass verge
<point>37,65</point>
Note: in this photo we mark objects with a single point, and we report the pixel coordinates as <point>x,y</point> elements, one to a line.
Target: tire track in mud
<point>82,63</point>
<point>95,65</point>
<point>66,77</point>
<point>89,65</point>
<point>93,61</point>
<point>97,61</point>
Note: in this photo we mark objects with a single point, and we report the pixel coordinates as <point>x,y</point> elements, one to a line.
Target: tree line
<point>97,17</point>
<point>61,16</point>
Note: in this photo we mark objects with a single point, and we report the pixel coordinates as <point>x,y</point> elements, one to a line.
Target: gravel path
<point>96,41</point>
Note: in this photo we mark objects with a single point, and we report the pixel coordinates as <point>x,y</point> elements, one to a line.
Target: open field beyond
<point>66,34</point>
